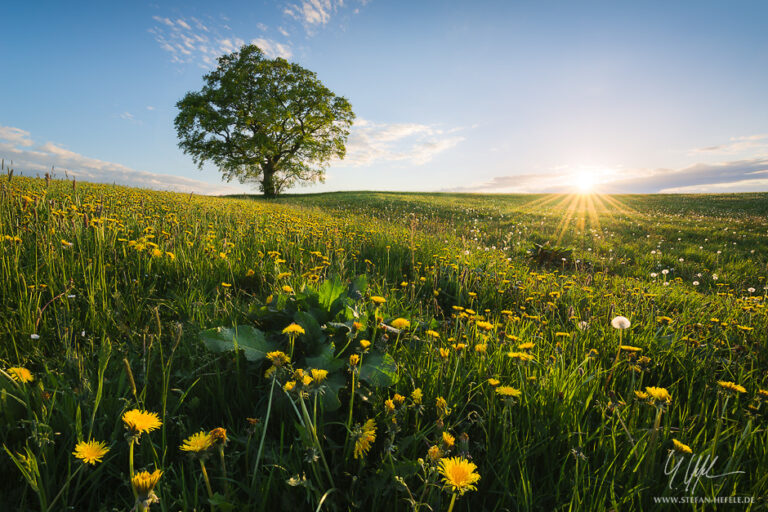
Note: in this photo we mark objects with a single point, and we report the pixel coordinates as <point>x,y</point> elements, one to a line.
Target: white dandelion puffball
<point>621,322</point>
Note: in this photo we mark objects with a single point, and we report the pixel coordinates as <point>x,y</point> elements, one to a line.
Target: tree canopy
<point>265,121</point>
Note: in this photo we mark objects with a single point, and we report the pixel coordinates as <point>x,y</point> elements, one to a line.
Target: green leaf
<point>325,360</point>
<point>329,291</point>
<point>330,397</point>
<point>378,369</point>
<point>250,340</point>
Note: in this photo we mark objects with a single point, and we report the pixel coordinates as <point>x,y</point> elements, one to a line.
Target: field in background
<point>489,319</point>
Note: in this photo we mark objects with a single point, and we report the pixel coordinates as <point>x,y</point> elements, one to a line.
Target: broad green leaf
<point>325,360</point>
<point>378,369</point>
<point>329,291</point>
<point>250,340</point>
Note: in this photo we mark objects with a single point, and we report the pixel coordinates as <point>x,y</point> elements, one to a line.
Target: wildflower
<point>664,320</point>
<point>401,323</point>
<point>170,255</point>
<point>144,483</point>
<point>620,322</point>
<point>680,447</point>
<point>365,438</point>
<point>378,300</point>
<point>20,374</point>
<point>493,382</point>
<point>270,372</point>
<point>226,285</point>
<point>442,406</point>
<point>354,360</point>
<point>389,404</point>
<point>731,386</point>
<point>526,346</point>
<point>293,329</point>
<point>287,289</point>
<point>197,443</point>
<point>307,380</point>
<point>218,435</point>
<point>630,348</point>
<point>485,326</point>
<point>319,375</point>
<point>459,474</point>
<point>521,356</point>
<point>508,391</point>
<point>434,453</point>
<point>289,385</point>
<point>65,244</point>
<point>416,396</point>
<point>433,334</point>
<point>459,346</point>
<point>278,358</point>
<point>282,275</point>
<point>658,394</point>
<point>445,353</point>
<point>481,348</point>
<point>448,439</point>
<point>398,398</point>
<point>138,421</point>
<point>562,335</point>
<point>90,452</point>
<point>250,273</point>
<point>641,395</point>
<point>365,344</point>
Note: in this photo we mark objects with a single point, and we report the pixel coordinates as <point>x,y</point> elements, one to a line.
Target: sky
<point>450,96</point>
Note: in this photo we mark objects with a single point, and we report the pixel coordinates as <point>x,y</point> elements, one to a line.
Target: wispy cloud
<point>29,157</point>
<point>412,143</point>
<point>313,14</point>
<point>749,143</point>
<point>189,40</point>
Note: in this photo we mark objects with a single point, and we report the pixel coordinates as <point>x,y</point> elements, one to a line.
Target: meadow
<point>371,351</point>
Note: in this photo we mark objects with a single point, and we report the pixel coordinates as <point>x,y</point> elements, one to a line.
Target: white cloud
<point>316,13</point>
<point>14,144</point>
<point>395,142</point>
<point>188,40</point>
<point>15,135</point>
<point>750,143</point>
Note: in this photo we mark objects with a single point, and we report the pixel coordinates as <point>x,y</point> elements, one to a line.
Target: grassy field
<point>440,335</point>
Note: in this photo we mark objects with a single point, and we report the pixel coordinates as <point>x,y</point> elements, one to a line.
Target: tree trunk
<point>268,182</point>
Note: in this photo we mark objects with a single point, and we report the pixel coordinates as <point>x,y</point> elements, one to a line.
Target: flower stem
<point>453,502</point>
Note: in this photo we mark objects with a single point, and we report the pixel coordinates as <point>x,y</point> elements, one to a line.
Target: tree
<point>264,120</point>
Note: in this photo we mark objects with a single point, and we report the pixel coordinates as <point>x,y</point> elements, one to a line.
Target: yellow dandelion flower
<point>417,396</point>
<point>90,452</point>
<point>459,475</point>
<point>664,320</point>
<point>197,443</point>
<point>138,421</point>
<point>445,353</point>
<point>630,348</point>
<point>442,406</point>
<point>731,386</point>
<point>521,356</point>
<point>306,381</point>
<point>365,344</point>
<point>378,300</point>
<point>278,358</point>
<point>433,334</point>
<point>481,348</point>
<point>398,398</point>
<point>485,326</point>
<point>250,273</point>
<point>493,382</point>
<point>145,482</point>
<point>434,453</point>
<point>20,374</point>
<point>401,323</point>
<point>293,329</point>
<point>658,394</point>
<point>389,405</point>
<point>319,375</point>
<point>287,289</point>
<point>641,395</point>
<point>354,360</point>
<point>448,439</point>
<point>289,385</point>
<point>508,391</point>
<point>270,372</point>
<point>226,285</point>
<point>218,435</point>
<point>528,345</point>
<point>365,438</point>
<point>680,447</point>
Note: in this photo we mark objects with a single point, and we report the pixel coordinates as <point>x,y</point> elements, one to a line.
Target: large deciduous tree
<point>266,121</point>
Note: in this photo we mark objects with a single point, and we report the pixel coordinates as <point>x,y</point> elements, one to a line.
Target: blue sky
<point>512,96</point>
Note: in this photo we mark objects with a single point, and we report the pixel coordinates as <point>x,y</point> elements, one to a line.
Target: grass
<point>117,299</point>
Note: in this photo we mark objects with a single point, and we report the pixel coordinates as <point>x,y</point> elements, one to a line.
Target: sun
<point>584,181</point>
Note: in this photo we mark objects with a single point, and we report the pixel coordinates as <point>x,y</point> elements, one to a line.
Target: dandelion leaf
<point>378,370</point>
<point>250,340</point>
